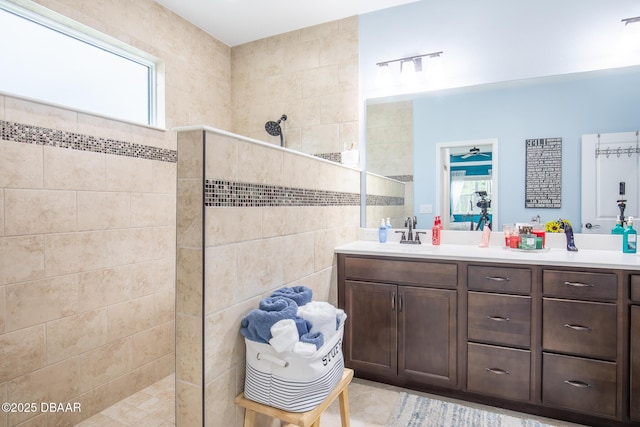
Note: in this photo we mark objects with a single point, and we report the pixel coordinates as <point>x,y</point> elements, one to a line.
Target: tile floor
<point>152,407</point>
<point>370,404</point>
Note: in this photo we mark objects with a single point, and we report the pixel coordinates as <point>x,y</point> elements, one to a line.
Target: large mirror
<point>405,137</point>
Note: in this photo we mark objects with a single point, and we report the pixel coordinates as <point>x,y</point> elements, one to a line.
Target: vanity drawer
<point>499,279</point>
<point>579,384</point>
<point>635,288</point>
<point>573,284</point>
<point>499,319</point>
<point>579,327</point>
<point>499,371</point>
<point>404,272</point>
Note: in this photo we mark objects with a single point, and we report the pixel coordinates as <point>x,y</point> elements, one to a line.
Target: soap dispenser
<point>435,231</point>
<point>617,229</point>
<point>382,232</point>
<point>629,238</point>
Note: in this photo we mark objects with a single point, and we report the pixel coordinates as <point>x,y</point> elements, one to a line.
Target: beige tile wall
<point>87,240</point>
<point>311,75</point>
<point>381,186</point>
<point>249,252</point>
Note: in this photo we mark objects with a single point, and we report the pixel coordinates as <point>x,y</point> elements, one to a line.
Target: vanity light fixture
<point>410,66</point>
<point>634,20</point>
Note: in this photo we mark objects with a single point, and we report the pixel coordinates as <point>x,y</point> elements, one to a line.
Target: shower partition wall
<point>252,217</point>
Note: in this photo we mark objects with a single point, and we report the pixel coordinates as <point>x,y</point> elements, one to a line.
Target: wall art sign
<point>543,186</point>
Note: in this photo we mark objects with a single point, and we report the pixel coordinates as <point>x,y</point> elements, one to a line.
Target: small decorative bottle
<point>617,229</point>
<point>629,238</point>
<point>435,231</point>
<point>382,232</point>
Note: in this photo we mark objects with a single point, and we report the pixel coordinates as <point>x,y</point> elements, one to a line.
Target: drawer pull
<point>393,301</point>
<point>577,327</point>
<point>497,278</point>
<point>497,371</point>
<point>498,318</point>
<point>579,284</point>
<point>578,384</point>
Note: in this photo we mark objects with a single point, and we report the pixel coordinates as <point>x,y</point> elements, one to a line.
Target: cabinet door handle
<point>498,318</point>
<point>577,327</point>
<point>579,284</point>
<point>497,371</point>
<point>400,299</point>
<point>578,384</point>
<point>497,278</point>
<point>393,301</point>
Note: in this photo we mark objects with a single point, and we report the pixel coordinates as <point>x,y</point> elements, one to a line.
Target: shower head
<point>273,128</point>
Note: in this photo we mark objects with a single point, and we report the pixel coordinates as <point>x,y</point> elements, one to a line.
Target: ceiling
<point>235,22</point>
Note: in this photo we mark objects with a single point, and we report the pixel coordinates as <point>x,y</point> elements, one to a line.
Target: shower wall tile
<point>74,252</point>
<point>73,169</point>
<point>129,317</point>
<point>105,363</point>
<point>128,174</point>
<point>164,307</point>
<point>3,316</point>
<point>22,165</point>
<point>261,265</point>
<point>32,303</point>
<point>38,114</point>
<point>224,347</point>
<point>39,211</point>
<point>189,351</point>
<point>152,277</point>
<point>221,156</point>
<point>23,351</point>
<point>72,335</point>
<point>101,210</point>
<point>3,396</point>
<point>297,256</point>
<point>188,403</point>
<point>21,258</point>
<point>221,278</point>
<point>56,383</point>
<point>260,165</point>
<point>164,177</point>
<point>149,209</point>
<point>189,222</point>
<point>103,287</point>
<point>220,409</point>
<point>229,225</point>
<point>151,344</point>
<point>189,273</point>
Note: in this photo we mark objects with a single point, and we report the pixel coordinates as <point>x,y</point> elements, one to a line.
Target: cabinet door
<point>635,362</point>
<point>427,335</point>
<point>370,331</point>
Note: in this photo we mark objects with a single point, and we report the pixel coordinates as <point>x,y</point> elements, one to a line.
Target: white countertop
<point>592,258</point>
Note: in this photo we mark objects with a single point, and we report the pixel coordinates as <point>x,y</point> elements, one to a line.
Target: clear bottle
<point>629,238</point>
<point>382,232</point>
<point>388,223</point>
<point>435,231</point>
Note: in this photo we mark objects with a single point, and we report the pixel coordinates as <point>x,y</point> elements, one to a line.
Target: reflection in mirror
<point>564,106</point>
<point>467,185</point>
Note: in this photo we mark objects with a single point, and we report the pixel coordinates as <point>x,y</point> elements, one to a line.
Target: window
<point>49,61</point>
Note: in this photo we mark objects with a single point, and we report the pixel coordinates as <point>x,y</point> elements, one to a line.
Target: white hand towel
<point>341,317</point>
<point>322,317</point>
<point>284,335</point>
<point>304,349</point>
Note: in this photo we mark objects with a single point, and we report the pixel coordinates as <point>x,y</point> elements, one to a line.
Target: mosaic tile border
<point>402,178</point>
<point>219,193</point>
<point>375,200</point>
<point>27,134</point>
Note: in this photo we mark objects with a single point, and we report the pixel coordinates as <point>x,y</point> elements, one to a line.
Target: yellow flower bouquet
<point>557,226</point>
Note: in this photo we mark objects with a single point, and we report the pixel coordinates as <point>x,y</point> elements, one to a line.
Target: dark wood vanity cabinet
<point>404,332</point>
<point>635,349</point>
<point>499,331</point>
<point>580,341</point>
<point>562,342</point>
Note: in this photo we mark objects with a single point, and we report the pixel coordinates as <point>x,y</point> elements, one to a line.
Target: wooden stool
<point>301,419</point>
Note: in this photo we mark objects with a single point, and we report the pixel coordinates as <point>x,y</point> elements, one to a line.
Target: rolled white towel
<point>285,335</point>
<point>341,317</point>
<point>322,317</point>
<point>304,349</point>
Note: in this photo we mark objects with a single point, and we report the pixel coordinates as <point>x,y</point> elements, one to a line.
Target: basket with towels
<point>294,350</point>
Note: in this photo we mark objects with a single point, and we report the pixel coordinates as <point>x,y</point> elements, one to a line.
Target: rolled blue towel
<point>304,326</point>
<point>315,338</point>
<point>300,294</point>
<point>256,326</point>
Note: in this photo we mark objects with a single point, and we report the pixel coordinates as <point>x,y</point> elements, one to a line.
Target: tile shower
<point>251,218</point>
